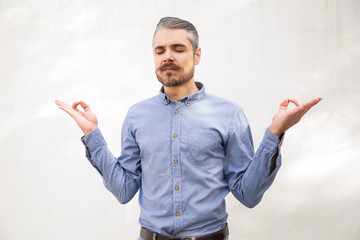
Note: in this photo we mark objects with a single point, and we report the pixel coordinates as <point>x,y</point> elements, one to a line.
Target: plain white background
<point>255,53</point>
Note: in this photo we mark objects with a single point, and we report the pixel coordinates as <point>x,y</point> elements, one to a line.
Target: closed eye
<point>179,47</point>
<point>179,50</point>
<point>158,52</point>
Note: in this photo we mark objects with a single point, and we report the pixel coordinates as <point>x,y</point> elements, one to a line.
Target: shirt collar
<point>188,99</point>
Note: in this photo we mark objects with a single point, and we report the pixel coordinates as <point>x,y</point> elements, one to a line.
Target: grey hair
<point>177,23</point>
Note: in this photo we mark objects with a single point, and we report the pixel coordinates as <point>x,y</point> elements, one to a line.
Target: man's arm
<point>250,174</point>
<point>122,182</point>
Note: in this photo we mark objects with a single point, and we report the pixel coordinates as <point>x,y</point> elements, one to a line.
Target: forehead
<point>168,36</point>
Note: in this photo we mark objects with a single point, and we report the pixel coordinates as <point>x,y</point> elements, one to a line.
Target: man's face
<point>174,57</point>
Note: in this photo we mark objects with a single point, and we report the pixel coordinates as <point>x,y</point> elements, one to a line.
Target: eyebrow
<point>172,46</point>
<point>178,45</point>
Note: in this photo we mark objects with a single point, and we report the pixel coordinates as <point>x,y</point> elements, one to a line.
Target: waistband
<point>219,235</point>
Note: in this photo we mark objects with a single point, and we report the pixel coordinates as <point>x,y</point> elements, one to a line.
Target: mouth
<point>169,68</point>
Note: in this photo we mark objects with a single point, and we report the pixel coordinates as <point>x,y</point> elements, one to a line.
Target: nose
<point>168,57</point>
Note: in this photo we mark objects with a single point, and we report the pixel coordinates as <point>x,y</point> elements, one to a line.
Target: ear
<point>197,56</point>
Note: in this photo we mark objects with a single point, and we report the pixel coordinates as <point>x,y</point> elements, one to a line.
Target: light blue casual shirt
<point>185,157</point>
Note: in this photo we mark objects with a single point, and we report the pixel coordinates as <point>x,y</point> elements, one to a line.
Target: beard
<point>174,81</point>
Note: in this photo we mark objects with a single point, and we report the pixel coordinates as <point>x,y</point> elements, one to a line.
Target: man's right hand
<point>86,120</point>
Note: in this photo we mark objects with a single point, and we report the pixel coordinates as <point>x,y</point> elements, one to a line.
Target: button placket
<point>176,167</point>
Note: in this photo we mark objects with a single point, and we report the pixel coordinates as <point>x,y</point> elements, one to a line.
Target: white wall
<point>256,53</point>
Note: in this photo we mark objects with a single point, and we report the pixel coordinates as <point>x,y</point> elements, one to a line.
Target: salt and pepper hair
<point>177,23</point>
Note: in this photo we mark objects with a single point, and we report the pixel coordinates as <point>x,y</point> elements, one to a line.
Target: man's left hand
<point>285,119</point>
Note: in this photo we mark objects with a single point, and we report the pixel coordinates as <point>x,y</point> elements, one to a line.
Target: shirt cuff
<point>93,140</point>
<point>272,141</point>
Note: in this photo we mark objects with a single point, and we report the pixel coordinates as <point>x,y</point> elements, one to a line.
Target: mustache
<point>171,66</point>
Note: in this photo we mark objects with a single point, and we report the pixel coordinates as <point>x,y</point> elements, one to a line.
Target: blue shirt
<point>185,157</point>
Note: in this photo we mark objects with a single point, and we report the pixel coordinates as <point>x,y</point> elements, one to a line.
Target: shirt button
<point>175,135</point>
<point>94,164</point>
<point>177,214</point>
<point>176,234</point>
<point>188,102</point>
<point>176,112</point>
<point>177,187</point>
<point>175,161</point>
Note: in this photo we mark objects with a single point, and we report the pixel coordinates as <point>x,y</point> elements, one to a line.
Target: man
<point>185,149</point>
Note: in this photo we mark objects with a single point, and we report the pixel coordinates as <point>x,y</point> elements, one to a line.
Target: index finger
<point>84,105</point>
<point>296,102</point>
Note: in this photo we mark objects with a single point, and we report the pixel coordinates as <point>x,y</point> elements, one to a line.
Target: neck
<point>179,92</point>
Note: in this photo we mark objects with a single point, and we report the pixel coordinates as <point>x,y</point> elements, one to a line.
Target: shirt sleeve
<point>121,176</point>
<point>249,174</point>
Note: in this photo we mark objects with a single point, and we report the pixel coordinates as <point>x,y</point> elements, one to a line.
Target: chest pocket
<point>205,147</point>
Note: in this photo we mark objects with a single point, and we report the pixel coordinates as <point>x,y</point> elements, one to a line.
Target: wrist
<point>277,132</point>
<point>86,132</point>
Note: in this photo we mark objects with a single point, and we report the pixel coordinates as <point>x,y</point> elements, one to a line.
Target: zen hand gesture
<point>285,119</point>
<point>86,120</point>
